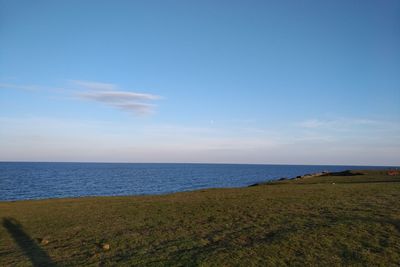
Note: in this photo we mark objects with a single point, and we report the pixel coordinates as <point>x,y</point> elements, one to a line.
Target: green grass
<point>302,222</point>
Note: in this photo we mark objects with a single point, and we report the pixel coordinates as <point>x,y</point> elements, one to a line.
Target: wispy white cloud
<point>94,85</point>
<point>141,108</point>
<point>351,130</point>
<point>110,94</point>
<point>337,123</point>
<point>106,93</point>
<point>116,96</point>
<point>19,87</point>
<point>343,124</point>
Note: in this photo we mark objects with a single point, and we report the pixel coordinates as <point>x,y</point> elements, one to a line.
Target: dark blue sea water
<point>54,180</point>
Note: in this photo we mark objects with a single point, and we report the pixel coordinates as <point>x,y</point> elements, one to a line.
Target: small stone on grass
<point>106,246</point>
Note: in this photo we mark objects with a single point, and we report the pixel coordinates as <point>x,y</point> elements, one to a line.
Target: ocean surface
<point>20,181</point>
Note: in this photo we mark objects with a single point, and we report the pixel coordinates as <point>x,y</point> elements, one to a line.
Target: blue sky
<point>297,82</point>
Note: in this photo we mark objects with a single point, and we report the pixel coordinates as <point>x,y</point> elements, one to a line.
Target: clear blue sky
<point>306,82</point>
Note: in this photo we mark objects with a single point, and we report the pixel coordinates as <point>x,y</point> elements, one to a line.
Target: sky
<point>264,82</point>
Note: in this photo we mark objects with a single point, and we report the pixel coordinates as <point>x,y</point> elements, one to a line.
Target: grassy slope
<point>299,222</point>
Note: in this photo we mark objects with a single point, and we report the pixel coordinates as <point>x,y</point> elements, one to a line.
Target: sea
<point>43,180</point>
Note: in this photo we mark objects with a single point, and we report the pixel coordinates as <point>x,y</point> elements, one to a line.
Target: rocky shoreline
<point>307,175</point>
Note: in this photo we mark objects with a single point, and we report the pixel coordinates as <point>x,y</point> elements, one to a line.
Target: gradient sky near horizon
<point>290,82</point>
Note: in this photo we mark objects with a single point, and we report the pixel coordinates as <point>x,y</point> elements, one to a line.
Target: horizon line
<point>200,163</point>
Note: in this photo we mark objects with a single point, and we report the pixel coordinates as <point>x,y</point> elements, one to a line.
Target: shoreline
<point>270,182</point>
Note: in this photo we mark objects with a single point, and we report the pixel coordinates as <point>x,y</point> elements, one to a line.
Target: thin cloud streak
<point>105,93</point>
<point>19,87</point>
<point>116,96</point>
<point>109,94</point>
<point>141,108</point>
<point>342,123</point>
<point>94,85</point>
<point>354,130</point>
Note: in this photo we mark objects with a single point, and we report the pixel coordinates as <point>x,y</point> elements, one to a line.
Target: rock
<point>106,246</point>
<point>42,241</point>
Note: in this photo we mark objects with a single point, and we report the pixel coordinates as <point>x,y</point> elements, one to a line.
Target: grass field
<point>331,220</point>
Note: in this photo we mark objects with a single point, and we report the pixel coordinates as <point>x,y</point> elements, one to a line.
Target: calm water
<point>50,180</point>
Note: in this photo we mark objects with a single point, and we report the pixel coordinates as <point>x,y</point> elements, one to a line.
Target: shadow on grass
<point>31,249</point>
